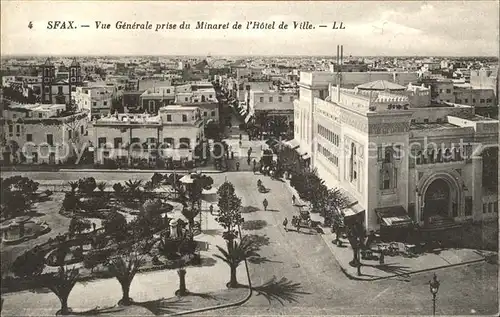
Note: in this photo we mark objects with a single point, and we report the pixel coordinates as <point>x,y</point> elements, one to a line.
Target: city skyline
<point>381,29</point>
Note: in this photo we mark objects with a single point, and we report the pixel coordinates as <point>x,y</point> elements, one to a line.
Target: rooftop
<point>432,126</point>
<point>381,85</point>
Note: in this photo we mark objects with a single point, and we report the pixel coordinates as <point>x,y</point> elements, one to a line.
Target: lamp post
<point>434,288</point>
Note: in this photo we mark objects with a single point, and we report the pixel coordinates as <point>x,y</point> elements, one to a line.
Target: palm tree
<point>133,187</point>
<point>124,268</point>
<point>235,254</point>
<point>74,186</point>
<point>101,186</point>
<point>61,284</point>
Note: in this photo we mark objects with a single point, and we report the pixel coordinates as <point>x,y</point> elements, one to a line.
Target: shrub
<point>70,201</point>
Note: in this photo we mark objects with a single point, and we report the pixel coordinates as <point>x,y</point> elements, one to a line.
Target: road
<point>320,286</point>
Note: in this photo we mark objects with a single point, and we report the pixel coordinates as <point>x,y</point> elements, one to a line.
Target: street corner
<point>373,268</point>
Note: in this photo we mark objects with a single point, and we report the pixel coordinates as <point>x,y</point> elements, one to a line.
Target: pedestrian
<point>254,163</point>
<point>232,155</point>
<point>265,203</point>
<point>293,200</point>
<point>248,160</point>
<point>254,170</point>
<point>285,223</point>
<point>241,137</point>
<point>237,166</point>
<point>211,209</point>
<point>239,143</point>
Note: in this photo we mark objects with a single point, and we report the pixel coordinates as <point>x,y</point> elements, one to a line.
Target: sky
<point>382,28</point>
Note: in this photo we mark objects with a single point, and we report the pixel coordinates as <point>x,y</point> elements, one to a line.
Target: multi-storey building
<point>424,162</point>
<point>275,103</point>
<point>58,85</point>
<point>130,139</point>
<point>96,100</point>
<point>42,134</point>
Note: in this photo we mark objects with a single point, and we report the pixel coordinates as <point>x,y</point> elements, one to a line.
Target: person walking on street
<point>285,223</point>
<point>237,166</point>
<point>241,137</point>
<point>239,143</point>
<point>265,203</point>
<point>293,200</point>
<point>248,160</point>
<point>254,163</point>
<point>211,209</point>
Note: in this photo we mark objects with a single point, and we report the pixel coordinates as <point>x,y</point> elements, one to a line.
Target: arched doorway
<point>437,200</point>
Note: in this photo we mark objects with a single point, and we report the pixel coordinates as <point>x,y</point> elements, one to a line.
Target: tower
<point>48,75</point>
<point>75,78</point>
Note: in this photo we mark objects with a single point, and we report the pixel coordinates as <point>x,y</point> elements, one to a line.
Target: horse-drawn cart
<point>303,220</point>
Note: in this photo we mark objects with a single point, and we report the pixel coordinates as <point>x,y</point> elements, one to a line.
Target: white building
<point>131,139</point>
<point>42,133</point>
<point>395,158</point>
<point>96,100</point>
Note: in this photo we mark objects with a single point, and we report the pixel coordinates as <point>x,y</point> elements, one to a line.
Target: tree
<point>101,186</point>
<point>235,254</point>
<point>29,264</point>
<point>17,194</point>
<point>229,210</point>
<point>87,185</point>
<point>125,265</point>
<point>79,225</point>
<point>133,188</point>
<point>74,186</point>
<point>61,284</point>
<point>116,225</point>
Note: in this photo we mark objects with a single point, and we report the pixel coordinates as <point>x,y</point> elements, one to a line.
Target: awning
<point>353,209</point>
<point>293,144</point>
<point>306,156</point>
<point>301,151</point>
<point>395,216</point>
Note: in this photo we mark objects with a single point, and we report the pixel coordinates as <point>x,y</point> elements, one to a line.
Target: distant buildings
<point>58,84</point>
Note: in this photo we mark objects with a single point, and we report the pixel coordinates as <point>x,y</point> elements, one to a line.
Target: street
<point>315,284</point>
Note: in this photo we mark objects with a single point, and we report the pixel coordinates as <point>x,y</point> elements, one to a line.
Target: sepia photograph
<point>249,158</point>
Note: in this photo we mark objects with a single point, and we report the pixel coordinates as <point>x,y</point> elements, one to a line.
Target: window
<point>40,115</point>
<point>386,180</point>
<point>136,140</point>
<point>448,91</point>
<point>212,113</point>
<point>60,90</point>
<point>466,100</point>
<point>184,118</point>
<point>94,104</point>
<point>73,79</point>
<point>261,99</point>
<point>488,100</point>
<point>388,155</point>
<point>169,142</point>
<point>104,103</point>
<point>481,100</point>
<point>270,99</point>
<point>485,208</point>
<point>70,134</point>
<point>205,113</point>
<point>280,99</point>
<point>186,99</point>
<point>185,143</point>
<point>117,143</point>
<point>151,106</point>
<point>101,142</point>
<point>50,139</point>
<point>209,96</point>
<point>169,118</point>
<point>168,91</point>
<point>18,130</point>
<point>440,90</point>
<point>473,100</point>
<point>47,90</point>
<point>11,129</point>
<point>29,137</point>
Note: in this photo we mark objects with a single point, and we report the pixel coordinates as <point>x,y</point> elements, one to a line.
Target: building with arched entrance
<point>400,156</point>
